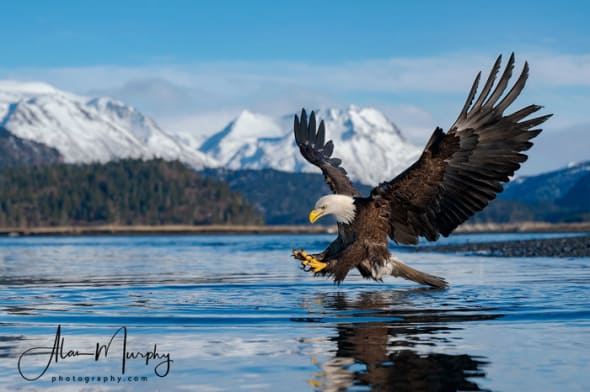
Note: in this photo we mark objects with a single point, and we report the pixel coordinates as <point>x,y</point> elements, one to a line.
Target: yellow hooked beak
<point>314,215</point>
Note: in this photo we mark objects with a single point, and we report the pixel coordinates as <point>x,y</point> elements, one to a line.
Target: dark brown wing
<point>312,147</point>
<point>461,171</point>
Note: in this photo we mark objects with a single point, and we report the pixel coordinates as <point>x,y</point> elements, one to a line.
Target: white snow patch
<point>370,145</point>
<point>88,130</point>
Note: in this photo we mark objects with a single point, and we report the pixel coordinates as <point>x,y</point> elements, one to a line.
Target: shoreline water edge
<point>567,246</point>
<point>525,227</point>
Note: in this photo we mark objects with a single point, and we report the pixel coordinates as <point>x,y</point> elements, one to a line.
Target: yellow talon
<point>317,265</point>
<point>313,264</point>
<point>308,262</point>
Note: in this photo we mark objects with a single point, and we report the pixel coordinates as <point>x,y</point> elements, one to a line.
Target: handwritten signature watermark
<point>59,351</point>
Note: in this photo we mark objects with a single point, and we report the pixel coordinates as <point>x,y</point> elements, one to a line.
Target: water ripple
<point>236,310</point>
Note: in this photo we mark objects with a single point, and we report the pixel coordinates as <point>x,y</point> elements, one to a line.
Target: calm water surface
<point>213,313</point>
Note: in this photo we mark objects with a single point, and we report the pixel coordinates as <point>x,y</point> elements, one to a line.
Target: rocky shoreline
<point>575,246</point>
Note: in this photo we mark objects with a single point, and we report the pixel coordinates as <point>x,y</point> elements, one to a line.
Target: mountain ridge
<point>286,198</point>
<point>100,129</point>
<point>555,196</point>
<point>86,129</point>
<point>370,145</point>
<point>15,151</point>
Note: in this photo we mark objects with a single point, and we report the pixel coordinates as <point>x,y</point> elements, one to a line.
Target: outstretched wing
<point>461,171</point>
<point>315,151</point>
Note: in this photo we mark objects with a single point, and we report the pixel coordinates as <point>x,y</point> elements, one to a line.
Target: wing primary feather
<point>501,86</point>
<point>534,122</point>
<point>321,136</point>
<point>296,130</point>
<point>311,130</point>
<point>524,112</point>
<point>488,86</point>
<point>470,96</point>
<point>303,127</point>
<point>515,90</point>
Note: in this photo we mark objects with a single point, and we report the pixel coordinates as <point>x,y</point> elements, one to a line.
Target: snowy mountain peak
<point>254,125</point>
<point>142,126</point>
<point>246,129</point>
<point>87,130</point>
<point>100,129</point>
<point>357,121</point>
<point>369,144</point>
<point>112,104</point>
<point>12,92</point>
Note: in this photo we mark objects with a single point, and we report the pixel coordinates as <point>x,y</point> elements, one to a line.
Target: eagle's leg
<point>309,262</point>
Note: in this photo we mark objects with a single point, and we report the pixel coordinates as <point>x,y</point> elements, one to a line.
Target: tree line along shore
<point>157,196</point>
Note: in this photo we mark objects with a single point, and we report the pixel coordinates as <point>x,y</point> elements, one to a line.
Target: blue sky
<point>84,33</point>
<point>193,65</point>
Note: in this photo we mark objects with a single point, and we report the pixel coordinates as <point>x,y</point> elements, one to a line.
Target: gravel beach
<point>577,246</point>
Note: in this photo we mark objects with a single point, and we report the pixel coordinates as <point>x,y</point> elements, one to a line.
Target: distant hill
<point>546,187</point>
<point>281,197</point>
<point>577,198</point>
<point>126,192</point>
<point>15,151</point>
<point>558,196</point>
<point>286,198</point>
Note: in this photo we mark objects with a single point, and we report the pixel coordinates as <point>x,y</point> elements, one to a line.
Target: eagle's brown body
<point>457,175</point>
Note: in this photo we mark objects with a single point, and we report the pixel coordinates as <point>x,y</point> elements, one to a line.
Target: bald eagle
<point>457,175</point>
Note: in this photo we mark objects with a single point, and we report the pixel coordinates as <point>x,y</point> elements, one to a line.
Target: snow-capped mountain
<point>87,130</point>
<point>240,144</point>
<point>370,145</point>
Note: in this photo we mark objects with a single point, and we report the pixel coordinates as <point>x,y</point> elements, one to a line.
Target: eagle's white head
<point>341,206</point>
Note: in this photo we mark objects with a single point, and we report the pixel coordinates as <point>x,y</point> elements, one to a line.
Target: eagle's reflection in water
<point>398,353</point>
